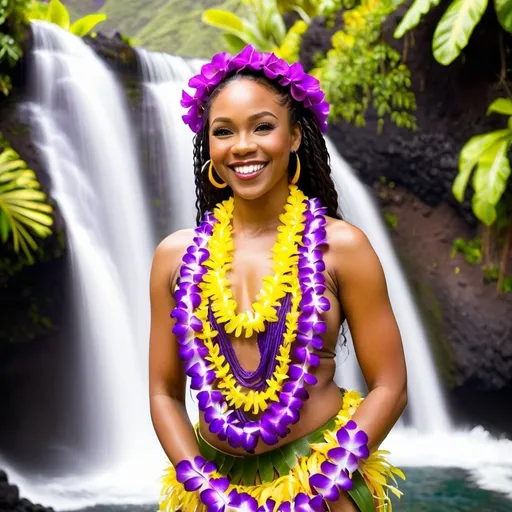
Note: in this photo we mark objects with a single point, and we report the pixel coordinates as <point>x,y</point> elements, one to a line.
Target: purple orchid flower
<point>303,503</point>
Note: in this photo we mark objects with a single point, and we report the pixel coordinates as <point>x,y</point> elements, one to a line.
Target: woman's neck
<point>255,216</point>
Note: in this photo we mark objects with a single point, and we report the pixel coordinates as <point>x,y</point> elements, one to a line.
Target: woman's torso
<point>252,261</point>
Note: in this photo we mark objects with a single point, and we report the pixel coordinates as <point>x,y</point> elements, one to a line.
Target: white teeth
<point>248,169</point>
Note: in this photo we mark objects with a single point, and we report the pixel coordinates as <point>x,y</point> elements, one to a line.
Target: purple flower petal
<point>321,484</point>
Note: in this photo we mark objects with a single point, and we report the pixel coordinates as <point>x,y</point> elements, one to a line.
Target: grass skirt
<point>284,472</point>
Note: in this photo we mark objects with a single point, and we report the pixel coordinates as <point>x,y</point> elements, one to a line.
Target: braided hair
<point>315,177</point>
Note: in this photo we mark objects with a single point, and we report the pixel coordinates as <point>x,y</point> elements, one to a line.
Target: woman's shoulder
<point>342,235</point>
<point>176,242</point>
<point>350,252</point>
<point>170,250</point>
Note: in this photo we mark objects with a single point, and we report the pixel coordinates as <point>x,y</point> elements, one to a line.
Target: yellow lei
<point>216,286</point>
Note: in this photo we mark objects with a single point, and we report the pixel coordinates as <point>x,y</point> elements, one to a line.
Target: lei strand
<point>234,394</point>
<point>334,477</point>
<point>216,286</point>
<point>275,420</point>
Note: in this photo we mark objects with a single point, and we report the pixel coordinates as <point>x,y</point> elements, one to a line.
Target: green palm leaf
<point>455,27</point>
<point>501,106</point>
<point>58,14</point>
<point>504,12</point>
<point>413,15</point>
<point>233,43</point>
<point>234,25</point>
<point>83,26</point>
<point>490,181</point>
<point>470,155</point>
<point>22,205</point>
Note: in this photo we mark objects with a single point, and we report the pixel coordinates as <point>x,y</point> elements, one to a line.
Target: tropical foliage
<point>362,70</point>
<point>487,155</point>
<point>56,12</point>
<point>12,16</point>
<point>24,212</point>
<point>263,28</point>
<point>456,25</point>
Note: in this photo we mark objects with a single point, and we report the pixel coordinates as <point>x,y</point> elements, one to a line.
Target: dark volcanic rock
<point>470,323</point>
<point>10,498</point>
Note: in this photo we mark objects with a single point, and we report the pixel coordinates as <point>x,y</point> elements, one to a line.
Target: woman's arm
<point>378,346</point>
<point>167,380</point>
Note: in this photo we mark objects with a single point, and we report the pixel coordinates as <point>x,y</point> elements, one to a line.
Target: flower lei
<point>216,286</point>
<point>253,400</point>
<point>303,87</point>
<point>191,328</point>
<point>335,476</point>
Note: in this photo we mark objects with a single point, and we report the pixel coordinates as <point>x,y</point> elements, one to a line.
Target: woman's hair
<point>315,177</point>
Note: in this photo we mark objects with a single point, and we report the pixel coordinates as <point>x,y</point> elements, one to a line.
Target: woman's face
<point>250,138</point>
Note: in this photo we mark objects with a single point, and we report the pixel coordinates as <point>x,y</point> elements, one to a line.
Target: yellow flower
<point>285,255</point>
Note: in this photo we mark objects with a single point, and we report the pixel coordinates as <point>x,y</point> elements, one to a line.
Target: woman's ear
<point>296,136</point>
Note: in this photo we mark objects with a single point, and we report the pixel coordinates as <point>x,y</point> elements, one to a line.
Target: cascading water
<point>427,406</point>
<point>163,76</point>
<point>81,125</point>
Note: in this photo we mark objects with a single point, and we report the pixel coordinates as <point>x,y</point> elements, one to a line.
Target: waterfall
<point>164,76</point>
<point>168,149</point>
<point>81,125</point>
<point>426,403</point>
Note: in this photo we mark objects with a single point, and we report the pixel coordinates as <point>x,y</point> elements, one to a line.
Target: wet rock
<point>10,498</point>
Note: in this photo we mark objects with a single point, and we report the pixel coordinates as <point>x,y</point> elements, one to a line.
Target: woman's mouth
<point>248,172</point>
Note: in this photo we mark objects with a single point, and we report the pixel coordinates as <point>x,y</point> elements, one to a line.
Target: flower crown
<point>303,87</point>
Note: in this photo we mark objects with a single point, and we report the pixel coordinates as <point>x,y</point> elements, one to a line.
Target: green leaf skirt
<point>283,472</point>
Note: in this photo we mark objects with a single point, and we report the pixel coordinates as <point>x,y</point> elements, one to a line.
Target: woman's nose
<point>243,146</point>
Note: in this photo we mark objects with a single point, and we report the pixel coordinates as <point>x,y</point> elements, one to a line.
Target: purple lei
<point>275,420</point>
<point>303,87</point>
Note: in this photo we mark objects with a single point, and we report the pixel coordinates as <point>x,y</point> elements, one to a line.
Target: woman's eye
<point>221,131</point>
<point>265,126</point>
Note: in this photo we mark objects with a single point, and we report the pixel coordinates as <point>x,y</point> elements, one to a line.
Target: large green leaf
<point>455,27</point>
<point>490,180</point>
<point>233,43</point>
<point>504,12</point>
<point>22,204</point>
<point>84,25</point>
<point>413,15</point>
<point>501,106</point>
<point>58,14</point>
<point>225,20</point>
<point>277,27</point>
<point>361,494</point>
<point>469,156</point>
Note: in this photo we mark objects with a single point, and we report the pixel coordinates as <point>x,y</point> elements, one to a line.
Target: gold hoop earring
<point>296,176</point>
<point>215,183</point>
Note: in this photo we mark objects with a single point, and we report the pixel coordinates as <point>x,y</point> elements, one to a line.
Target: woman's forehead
<point>245,95</point>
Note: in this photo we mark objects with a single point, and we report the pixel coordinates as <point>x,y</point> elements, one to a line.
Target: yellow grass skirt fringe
<point>378,473</point>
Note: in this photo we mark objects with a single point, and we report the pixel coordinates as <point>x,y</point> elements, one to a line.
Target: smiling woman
<point>256,304</point>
